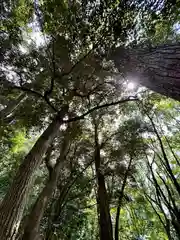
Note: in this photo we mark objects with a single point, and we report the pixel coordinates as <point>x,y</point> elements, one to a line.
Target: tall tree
<point>70,69</point>
<point>11,208</point>
<point>31,230</point>
<point>105,223</point>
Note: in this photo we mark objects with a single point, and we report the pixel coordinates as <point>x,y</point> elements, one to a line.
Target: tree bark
<point>12,206</point>
<point>116,231</point>
<point>31,231</point>
<point>157,68</point>
<point>105,223</point>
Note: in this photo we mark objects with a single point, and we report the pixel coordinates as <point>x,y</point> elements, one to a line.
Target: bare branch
<point>49,91</point>
<point>101,106</point>
<point>31,91</point>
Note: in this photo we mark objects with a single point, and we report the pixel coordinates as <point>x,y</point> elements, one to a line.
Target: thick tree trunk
<point>31,231</point>
<point>12,206</point>
<point>103,202</point>
<point>157,68</point>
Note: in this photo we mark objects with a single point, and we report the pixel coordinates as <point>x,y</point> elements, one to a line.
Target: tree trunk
<point>58,205</point>
<point>116,235</point>
<point>56,209</point>
<point>103,202</point>
<point>176,226</point>
<point>31,231</point>
<point>120,201</point>
<point>13,204</point>
<point>157,68</point>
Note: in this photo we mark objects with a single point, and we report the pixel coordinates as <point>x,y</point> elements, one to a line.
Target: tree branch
<point>101,106</point>
<point>49,91</point>
<point>27,90</point>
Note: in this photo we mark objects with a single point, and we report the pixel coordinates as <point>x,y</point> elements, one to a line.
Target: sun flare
<point>131,85</point>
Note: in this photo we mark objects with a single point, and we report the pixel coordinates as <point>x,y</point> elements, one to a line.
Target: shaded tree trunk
<point>56,210</point>
<point>60,203</point>
<point>121,194</point>
<point>157,68</point>
<point>117,217</point>
<point>102,196</point>
<point>31,231</point>
<point>13,204</point>
<point>176,226</point>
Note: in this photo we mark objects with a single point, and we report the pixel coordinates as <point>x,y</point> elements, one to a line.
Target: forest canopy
<point>89,113</point>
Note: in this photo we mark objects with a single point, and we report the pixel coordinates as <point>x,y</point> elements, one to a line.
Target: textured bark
<point>157,68</point>
<point>13,204</point>
<point>33,223</point>
<point>12,106</point>
<point>103,202</point>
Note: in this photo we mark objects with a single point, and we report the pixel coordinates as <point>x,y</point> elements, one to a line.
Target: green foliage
<point>69,67</point>
<point>12,149</point>
<point>18,141</point>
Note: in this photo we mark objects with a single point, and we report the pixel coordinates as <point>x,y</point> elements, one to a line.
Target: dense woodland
<point>89,120</point>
